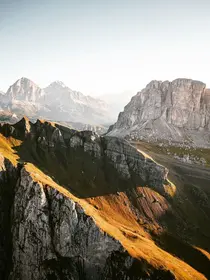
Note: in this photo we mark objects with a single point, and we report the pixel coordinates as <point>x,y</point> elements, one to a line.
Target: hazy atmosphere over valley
<point>104,140</point>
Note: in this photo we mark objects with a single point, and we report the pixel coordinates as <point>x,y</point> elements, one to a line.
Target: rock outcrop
<point>52,139</point>
<point>53,238</point>
<point>177,111</point>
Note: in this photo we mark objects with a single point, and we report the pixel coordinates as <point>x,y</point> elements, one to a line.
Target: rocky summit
<point>75,205</point>
<point>175,112</point>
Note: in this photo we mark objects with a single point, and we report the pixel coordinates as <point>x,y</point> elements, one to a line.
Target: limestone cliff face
<point>47,235</point>
<point>177,111</point>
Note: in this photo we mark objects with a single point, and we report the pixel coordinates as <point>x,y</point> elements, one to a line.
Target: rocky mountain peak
<point>187,82</point>
<point>59,89</point>
<point>23,125</point>
<point>58,84</point>
<point>154,84</point>
<point>24,80</point>
<point>25,83</point>
<point>180,82</point>
<point>177,111</point>
<point>74,105</point>
<point>24,90</point>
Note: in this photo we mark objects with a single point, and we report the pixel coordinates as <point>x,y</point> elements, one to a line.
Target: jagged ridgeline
<point>78,206</point>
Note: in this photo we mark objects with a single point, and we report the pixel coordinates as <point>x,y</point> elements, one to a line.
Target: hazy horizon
<point>103,47</point>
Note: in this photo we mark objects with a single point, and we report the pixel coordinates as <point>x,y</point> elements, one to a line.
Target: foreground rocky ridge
<point>172,112</point>
<point>83,207</point>
<point>119,153</point>
<point>51,236</point>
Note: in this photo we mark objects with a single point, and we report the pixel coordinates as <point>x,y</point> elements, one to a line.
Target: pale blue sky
<point>104,46</point>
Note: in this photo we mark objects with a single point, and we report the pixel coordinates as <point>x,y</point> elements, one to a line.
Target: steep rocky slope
<point>78,206</point>
<point>174,112</point>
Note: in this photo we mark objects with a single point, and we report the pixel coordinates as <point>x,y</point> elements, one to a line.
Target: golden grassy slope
<point>6,148</point>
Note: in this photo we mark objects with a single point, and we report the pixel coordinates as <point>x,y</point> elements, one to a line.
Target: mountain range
<point>174,113</point>
<point>56,102</point>
<point>132,204</point>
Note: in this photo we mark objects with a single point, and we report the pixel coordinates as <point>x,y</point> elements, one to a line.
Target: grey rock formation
<point>53,237</point>
<point>177,111</point>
